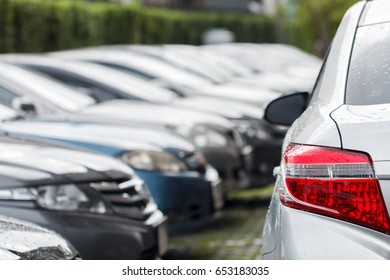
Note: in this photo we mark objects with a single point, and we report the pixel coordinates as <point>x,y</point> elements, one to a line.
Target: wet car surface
<point>20,240</point>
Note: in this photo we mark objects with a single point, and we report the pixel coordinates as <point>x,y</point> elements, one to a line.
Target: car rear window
<point>369,74</point>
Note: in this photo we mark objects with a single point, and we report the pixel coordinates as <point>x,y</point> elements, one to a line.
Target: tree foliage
<point>315,22</point>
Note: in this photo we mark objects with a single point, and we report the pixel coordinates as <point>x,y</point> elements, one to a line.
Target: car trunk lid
<point>367,129</point>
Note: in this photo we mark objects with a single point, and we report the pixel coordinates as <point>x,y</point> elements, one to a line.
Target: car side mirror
<point>24,105</point>
<point>286,109</point>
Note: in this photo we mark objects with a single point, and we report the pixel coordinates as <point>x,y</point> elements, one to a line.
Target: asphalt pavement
<point>235,235</point>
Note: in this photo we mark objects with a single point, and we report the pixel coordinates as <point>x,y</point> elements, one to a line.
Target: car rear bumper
<point>98,236</point>
<point>303,235</point>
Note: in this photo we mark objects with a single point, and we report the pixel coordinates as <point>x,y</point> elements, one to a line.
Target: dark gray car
<point>95,202</point>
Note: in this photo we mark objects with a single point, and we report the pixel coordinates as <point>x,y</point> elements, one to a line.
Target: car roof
<point>376,11</point>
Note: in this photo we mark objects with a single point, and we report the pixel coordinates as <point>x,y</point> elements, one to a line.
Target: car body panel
<point>366,128</point>
<point>319,242</point>
<point>330,95</point>
<point>327,122</point>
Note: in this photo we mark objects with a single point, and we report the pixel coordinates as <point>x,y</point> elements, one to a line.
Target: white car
<point>332,193</point>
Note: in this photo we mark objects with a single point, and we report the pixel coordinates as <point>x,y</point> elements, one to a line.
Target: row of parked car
<point>116,147</point>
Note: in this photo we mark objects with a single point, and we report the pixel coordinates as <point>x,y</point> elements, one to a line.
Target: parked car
<point>165,75</point>
<point>183,185</point>
<point>104,83</point>
<point>95,202</point>
<point>213,135</point>
<point>281,68</point>
<point>193,62</point>
<point>261,142</point>
<point>331,197</point>
<point>21,240</point>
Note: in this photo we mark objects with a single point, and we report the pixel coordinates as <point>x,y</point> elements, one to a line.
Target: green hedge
<point>44,25</point>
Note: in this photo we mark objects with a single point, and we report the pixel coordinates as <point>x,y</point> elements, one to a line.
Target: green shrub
<point>44,25</point>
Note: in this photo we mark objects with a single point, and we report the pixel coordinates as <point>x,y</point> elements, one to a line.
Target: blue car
<point>183,185</point>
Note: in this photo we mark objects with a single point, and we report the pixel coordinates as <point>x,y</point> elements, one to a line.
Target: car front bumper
<point>264,156</point>
<point>100,236</point>
<point>189,200</point>
<point>230,164</point>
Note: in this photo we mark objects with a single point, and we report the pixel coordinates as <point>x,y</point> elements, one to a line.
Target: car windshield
<point>369,73</point>
<point>54,92</point>
<point>125,83</point>
<point>151,67</point>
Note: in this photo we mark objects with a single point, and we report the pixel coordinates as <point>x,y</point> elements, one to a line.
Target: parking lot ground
<point>235,235</point>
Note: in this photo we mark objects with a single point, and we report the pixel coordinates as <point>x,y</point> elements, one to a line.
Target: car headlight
<point>61,197</point>
<point>153,161</point>
<point>203,136</point>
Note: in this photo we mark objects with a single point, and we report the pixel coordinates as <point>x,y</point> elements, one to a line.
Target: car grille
<point>129,198</point>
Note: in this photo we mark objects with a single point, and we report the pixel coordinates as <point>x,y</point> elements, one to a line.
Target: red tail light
<point>336,183</point>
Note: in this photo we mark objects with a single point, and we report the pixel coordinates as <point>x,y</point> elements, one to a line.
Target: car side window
<point>6,96</point>
<point>133,72</point>
<point>74,83</point>
<point>98,93</point>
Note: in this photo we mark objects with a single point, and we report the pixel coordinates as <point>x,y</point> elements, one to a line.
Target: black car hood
<point>23,240</point>
<point>25,163</point>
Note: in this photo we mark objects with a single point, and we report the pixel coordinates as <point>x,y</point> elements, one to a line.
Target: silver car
<point>332,193</point>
